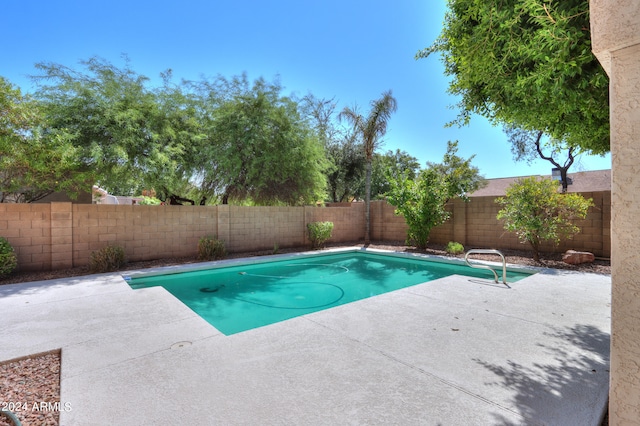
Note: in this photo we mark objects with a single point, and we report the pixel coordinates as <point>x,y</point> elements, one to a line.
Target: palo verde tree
<point>371,128</point>
<point>422,201</point>
<point>115,121</point>
<point>528,65</point>
<point>258,147</point>
<point>33,162</point>
<point>536,212</point>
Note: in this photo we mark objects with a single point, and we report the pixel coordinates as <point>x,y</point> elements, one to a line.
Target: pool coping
<point>413,356</point>
<point>163,270</point>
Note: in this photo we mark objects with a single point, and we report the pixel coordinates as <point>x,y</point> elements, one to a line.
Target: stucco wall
<point>615,29</point>
<point>474,224</point>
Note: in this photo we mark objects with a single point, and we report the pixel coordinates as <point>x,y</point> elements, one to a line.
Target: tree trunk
<point>535,246</point>
<point>563,178</point>
<point>367,202</point>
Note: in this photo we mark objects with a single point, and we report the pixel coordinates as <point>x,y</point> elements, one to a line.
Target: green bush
<point>454,248</point>
<point>535,210</point>
<point>319,233</point>
<point>149,201</point>
<point>211,248</point>
<point>8,258</point>
<point>107,259</point>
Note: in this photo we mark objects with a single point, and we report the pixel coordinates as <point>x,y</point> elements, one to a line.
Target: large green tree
<point>221,139</point>
<point>371,128</point>
<point>33,163</point>
<point>527,64</point>
<point>258,145</point>
<point>123,132</point>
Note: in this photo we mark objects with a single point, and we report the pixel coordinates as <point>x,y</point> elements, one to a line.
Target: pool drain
<point>180,345</point>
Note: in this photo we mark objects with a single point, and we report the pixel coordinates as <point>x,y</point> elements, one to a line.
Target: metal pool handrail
<point>481,266</point>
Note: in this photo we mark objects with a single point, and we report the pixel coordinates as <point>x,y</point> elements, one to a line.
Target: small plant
<point>454,248</point>
<point>8,258</point>
<point>319,233</point>
<point>149,201</point>
<point>211,248</point>
<point>107,259</point>
<point>276,248</point>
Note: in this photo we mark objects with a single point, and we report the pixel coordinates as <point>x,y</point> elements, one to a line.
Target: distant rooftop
<point>592,181</point>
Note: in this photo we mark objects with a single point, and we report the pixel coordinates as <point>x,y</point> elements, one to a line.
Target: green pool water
<point>242,297</point>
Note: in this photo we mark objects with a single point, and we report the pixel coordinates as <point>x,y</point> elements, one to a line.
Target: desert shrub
<point>535,210</point>
<point>211,248</point>
<point>149,201</point>
<point>319,233</point>
<point>8,258</point>
<point>107,259</point>
<point>454,248</point>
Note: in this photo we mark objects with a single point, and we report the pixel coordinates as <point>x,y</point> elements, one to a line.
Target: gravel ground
<point>37,379</point>
<point>30,388</point>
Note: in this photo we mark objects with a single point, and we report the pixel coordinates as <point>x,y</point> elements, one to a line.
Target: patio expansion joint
<point>421,370</point>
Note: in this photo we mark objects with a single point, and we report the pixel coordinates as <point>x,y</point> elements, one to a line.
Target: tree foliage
<point>536,212</point>
<point>33,164</point>
<point>461,177</point>
<point>260,147</point>
<point>344,152</point>
<point>527,64</point>
<point>389,166</point>
<point>422,204</point>
<point>114,120</point>
<point>222,139</point>
<point>345,178</point>
<point>422,201</point>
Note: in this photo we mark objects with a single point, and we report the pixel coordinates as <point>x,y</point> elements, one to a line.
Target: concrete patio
<point>455,351</point>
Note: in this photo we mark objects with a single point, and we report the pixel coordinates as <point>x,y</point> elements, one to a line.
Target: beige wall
<point>63,235</point>
<point>615,29</point>
<point>474,224</point>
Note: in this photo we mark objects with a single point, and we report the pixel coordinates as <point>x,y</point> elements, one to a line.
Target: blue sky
<point>348,50</point>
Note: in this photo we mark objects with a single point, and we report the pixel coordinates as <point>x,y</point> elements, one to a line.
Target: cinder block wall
<point>27,227</point>
<point>475,225</point>
<point>348,221</point>
<point>63,235</point>
<point>145,232</point>
<point>261,228</point>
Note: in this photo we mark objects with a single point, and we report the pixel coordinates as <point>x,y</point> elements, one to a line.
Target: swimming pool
<point>246,296</point>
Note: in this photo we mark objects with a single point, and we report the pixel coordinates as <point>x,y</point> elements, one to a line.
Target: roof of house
<point>592,181</point>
